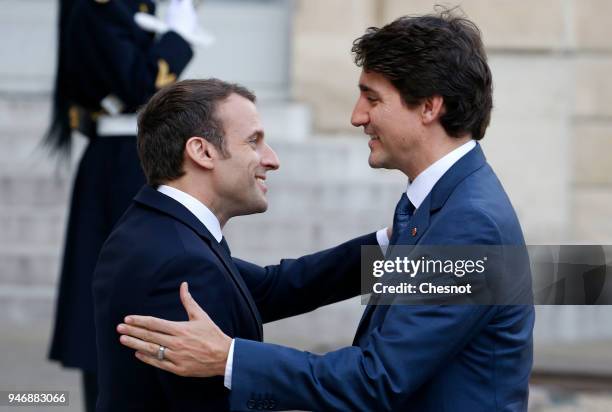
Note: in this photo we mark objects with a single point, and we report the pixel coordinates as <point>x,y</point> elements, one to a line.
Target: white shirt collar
<point>204,215</point>
<point>418,190</point>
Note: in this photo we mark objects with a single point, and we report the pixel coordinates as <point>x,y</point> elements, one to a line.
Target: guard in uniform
<point>108,66</point>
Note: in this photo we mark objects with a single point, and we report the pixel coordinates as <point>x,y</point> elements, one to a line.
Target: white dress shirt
<point>420,187</point>
<point>203,213</point>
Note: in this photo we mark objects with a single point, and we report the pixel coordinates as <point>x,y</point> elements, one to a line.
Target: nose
<point>360,116</point>
<point>269,159</point>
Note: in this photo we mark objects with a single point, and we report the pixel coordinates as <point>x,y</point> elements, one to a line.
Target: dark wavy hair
<point>173,115</point>
<point>58,136</point>
<point>434,55</point>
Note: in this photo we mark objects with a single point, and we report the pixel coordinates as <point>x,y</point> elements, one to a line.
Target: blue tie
<point>401,218</point>
<point>225,246</point>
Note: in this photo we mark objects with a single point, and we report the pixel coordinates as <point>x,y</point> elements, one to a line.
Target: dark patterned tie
<point>401,218</point>
<point>225,246</point>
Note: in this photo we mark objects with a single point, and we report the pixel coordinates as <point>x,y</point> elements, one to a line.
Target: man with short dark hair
<point>425,101</point>
<point>203,152</point>
<point>187,109</point>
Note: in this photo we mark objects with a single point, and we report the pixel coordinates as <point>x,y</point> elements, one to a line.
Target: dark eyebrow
<point>366,89</point>
<point>257,133</point>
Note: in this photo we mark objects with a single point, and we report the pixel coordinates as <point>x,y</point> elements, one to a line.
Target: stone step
<point>584,357</point>
<point>32,226</point>
<point>29,266</point>
<point>24,115</point>
<point>33,191</point>
<point>27,305</point>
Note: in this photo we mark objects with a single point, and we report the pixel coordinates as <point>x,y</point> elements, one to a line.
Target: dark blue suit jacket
<point>158,244</point>
<point>413,358</point>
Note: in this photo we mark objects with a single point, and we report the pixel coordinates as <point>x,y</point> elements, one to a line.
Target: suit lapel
<point>435,200</point>
<point>151,198</point>
<point>229,264</point>
<point>468,164</point>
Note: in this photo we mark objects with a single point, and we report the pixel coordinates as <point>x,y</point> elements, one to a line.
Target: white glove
<point>182,17</point>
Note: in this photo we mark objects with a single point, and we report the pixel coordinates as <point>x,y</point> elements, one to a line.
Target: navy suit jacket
<point>158,244</point>
<point>413,358</point>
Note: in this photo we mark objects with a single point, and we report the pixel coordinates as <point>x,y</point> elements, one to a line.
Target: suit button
<point>265,404</point>
<point>251,404</point>
<point>259,405</point>
<point>272,403</point>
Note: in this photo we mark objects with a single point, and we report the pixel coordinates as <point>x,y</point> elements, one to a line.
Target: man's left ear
<point>432,109</point>
<point>201,152</point>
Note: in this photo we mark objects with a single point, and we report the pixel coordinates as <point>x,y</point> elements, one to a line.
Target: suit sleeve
<point>134,66</point>
<point>210,287</point>
<point>390,363</point>
<point>300,285</point>
<point>412,344</point>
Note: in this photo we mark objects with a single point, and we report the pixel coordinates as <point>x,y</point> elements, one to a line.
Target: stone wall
<point>551,131</point>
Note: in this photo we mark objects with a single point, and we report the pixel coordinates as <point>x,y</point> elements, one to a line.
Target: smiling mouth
<point>261,183</point>
<point>373,139</point>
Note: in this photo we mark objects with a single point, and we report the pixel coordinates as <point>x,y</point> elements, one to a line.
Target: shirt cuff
<point>382,239</point>
<point>227,379</point>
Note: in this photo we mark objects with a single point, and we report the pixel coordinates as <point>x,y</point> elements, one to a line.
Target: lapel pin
<point>414,231</point>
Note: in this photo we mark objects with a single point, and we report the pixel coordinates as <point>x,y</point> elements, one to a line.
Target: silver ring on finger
<point>161,352</point>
